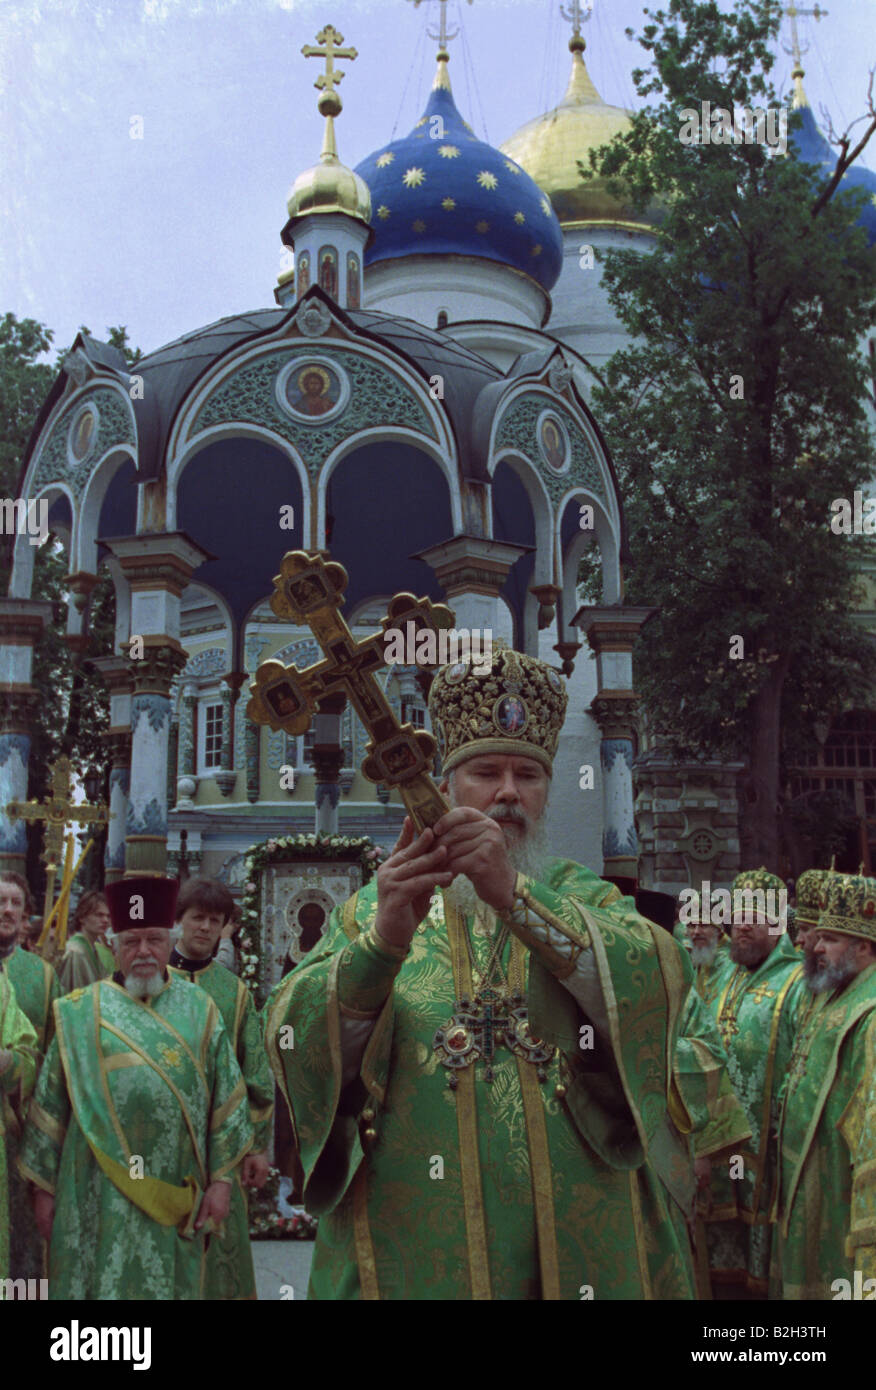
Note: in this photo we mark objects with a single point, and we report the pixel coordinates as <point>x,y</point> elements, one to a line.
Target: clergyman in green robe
<point>87,957</point>
<point>18,1067</point>
<point>203,908</point>
<point>753,990</point>
<point>139,1120</point>
<point>826,1200</point>
<point>475,1082</point>
<point>36,988</point>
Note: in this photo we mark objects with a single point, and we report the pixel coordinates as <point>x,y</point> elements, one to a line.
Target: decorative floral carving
<point>116,427</point>
<point>377,397</point>
<point>517,431</point>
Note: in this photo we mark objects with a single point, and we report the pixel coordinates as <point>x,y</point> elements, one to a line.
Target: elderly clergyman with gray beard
<point>139,1119</point>
<point>826,1200</point>
<point>477,1057</point>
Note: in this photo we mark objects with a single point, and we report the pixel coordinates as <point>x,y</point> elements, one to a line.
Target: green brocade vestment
<point>826,1201</point>
<point>84,962</point>
<point>518,1189</point>
<point>125,1080</point>
<point>230,1272</point>
<point>36,989</point>
<point>749,1007</point>
<point>16,1082</point>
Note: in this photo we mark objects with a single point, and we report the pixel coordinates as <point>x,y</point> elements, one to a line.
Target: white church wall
<point>582,315</point>
<point>421,287</point>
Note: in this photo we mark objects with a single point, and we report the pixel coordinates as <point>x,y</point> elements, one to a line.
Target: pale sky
<point>172,231</point>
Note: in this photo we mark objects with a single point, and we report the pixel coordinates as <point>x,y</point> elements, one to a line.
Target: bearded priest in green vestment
<point>476,1081</point>
<point>18,1067</point>
<point>709,954</point>
<point>36,988</point>
<point>826,1202</point>
<point>203,908</point>
<point>749,1001</point>
<point>87,957</point>
<point>139,1120</point>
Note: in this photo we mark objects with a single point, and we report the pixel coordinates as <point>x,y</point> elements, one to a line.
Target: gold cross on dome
<point>792,12</point>
<point>330,41</point>
<point>444,34</point>
<point>577,14</point>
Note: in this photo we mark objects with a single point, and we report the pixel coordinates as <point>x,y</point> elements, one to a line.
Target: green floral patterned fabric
<point>126,1080</point>
<point>749,1005</point>
<point>826,1201</point>
<point>84,962</point>
<point>384,1158</point>
<point>230,1272</point>
<point>17,1035</point>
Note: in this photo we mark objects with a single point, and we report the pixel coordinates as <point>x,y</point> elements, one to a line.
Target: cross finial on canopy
<point>329,45</point>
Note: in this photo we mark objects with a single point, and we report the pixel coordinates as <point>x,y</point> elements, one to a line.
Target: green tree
<point>74,706</point>
<point>735,417</point>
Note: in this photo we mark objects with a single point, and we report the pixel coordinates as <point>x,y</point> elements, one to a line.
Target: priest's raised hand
<point>406,882</point>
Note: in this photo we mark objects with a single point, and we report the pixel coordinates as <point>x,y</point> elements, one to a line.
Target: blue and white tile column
<point>117,678</point>
<point>21,625</point>
<point>612,632</point>
<point>157,567</point>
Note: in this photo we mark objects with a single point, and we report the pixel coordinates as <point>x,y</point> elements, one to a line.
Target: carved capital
<point>615,714</point>
<point>22,620</point>
<point>163,659</point>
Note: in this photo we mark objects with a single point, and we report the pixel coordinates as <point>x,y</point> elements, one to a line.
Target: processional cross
<point>308,590</point>
<point>58,811</point>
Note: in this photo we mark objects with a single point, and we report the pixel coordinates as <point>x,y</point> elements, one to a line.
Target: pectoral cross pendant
<point>477,1027</point>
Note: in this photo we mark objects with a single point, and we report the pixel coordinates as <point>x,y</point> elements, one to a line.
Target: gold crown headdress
<point>516,706</point>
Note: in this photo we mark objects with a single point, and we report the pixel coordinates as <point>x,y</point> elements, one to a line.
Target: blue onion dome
<point>441,191</point>
<point>811,147</point>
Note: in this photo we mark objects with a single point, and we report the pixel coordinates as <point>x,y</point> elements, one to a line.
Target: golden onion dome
<point>330,187</point>
<point>550,147</point>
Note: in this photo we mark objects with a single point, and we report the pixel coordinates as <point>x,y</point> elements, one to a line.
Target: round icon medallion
<point>510,715</point>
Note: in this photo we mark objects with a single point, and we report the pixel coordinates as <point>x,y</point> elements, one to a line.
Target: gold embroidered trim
<point>539,1163</point>
<point>362,1236</point>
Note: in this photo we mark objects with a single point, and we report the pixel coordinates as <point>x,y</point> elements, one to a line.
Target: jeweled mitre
<point>516,706</point>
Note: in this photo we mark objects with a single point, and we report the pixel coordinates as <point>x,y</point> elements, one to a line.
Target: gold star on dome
<point>546,207</point>
<point>512,167</point>
<point>519,218</point>
<point>419,225</point>
<point>448,204</point>
<point>383,212</point>
<point>448,151</point>
<point>536,250</point>
<point>486,179</point>
<point>482,226</point>
<point>413,177</point>
<point>384,159</point>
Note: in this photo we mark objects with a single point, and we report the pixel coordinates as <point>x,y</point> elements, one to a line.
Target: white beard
<point>145,986</point>
<point>827,976</point>
<point>703,955</point>
<point>527,854</point>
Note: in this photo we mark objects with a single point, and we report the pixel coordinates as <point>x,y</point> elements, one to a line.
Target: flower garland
<point>288,849</point>
<point>265,1221</point>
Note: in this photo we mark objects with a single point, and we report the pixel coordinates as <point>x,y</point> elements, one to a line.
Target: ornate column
<point>612,633</point>
<point>472,571</point>
<point>21,625</point>
<point>186,784</point>
<point>252,738</point>
<point>328,759</point>
<point>157,566</point>
<point>226,777</point>
<point>116,674</point>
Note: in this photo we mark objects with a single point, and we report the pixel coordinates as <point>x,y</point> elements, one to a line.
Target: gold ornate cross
<point>58,811</point>
<point>330,42</point>
<point>308,590</point>
<point>762,992</point>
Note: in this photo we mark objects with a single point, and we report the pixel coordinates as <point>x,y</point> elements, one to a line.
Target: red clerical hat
<point>142,901</point>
